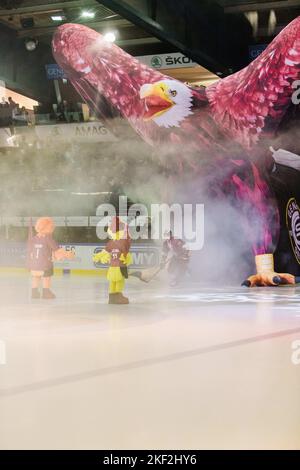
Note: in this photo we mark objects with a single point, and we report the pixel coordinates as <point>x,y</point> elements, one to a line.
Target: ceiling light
<point>87,14</point>
<point>58,18</point>
<point>110,36</point>
<point>31,44</point>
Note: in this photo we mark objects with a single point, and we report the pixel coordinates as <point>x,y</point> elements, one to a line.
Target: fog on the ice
<point>54,178</point>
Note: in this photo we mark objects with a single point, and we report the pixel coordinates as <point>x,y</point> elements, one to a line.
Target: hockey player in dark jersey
<point>175,256</point>
<point>42,250</point>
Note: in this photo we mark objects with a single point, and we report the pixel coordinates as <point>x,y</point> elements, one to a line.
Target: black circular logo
<point>293,225</point>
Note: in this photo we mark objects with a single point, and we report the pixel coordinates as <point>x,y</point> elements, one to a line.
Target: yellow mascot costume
<point>116,254</point>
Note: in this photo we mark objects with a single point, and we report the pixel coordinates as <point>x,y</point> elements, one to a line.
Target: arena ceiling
<point>216,34</point>
<point>34,18</point>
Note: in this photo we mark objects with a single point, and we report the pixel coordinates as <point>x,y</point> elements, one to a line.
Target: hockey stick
<point>140,274</point>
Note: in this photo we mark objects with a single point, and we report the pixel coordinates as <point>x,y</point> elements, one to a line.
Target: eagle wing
<point>252,102</point>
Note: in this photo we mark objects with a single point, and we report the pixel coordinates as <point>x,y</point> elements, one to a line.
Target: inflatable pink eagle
<point>228,124</point>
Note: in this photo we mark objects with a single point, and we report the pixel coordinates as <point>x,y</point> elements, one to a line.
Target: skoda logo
<point>156,62</point>
<point>293,225</point>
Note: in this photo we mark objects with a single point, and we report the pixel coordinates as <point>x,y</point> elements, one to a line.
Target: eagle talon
<point>266,274</point>
<point>277,280</point>
<point>269,279</point>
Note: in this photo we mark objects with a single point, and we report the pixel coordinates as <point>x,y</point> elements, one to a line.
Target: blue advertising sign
<point>54,72</point>
<point>256,50</point>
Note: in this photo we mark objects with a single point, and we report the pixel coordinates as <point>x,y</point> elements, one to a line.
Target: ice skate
<point>121,299</point>
<point>35,293</point>
<point>48,294</point>
<point>112,299</point>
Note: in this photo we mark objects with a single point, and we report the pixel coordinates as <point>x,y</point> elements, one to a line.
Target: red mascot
<point>42,251</point>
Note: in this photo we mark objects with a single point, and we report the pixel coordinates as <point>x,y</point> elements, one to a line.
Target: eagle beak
<point>156,101</point>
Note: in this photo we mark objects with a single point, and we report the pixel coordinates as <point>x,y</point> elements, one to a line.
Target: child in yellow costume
<point>116,253</point>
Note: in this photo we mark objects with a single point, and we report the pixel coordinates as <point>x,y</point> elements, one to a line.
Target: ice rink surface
<point>179,368</point>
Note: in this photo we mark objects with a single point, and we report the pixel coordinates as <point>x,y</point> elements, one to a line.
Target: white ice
<point>189,367</point>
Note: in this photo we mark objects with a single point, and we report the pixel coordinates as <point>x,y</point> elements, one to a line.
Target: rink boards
<point>13,255</point>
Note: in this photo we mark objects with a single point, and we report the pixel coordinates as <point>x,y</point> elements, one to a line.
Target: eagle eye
<point>173,92</point>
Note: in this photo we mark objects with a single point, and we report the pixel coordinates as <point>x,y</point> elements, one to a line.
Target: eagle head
<point>166,102</point>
